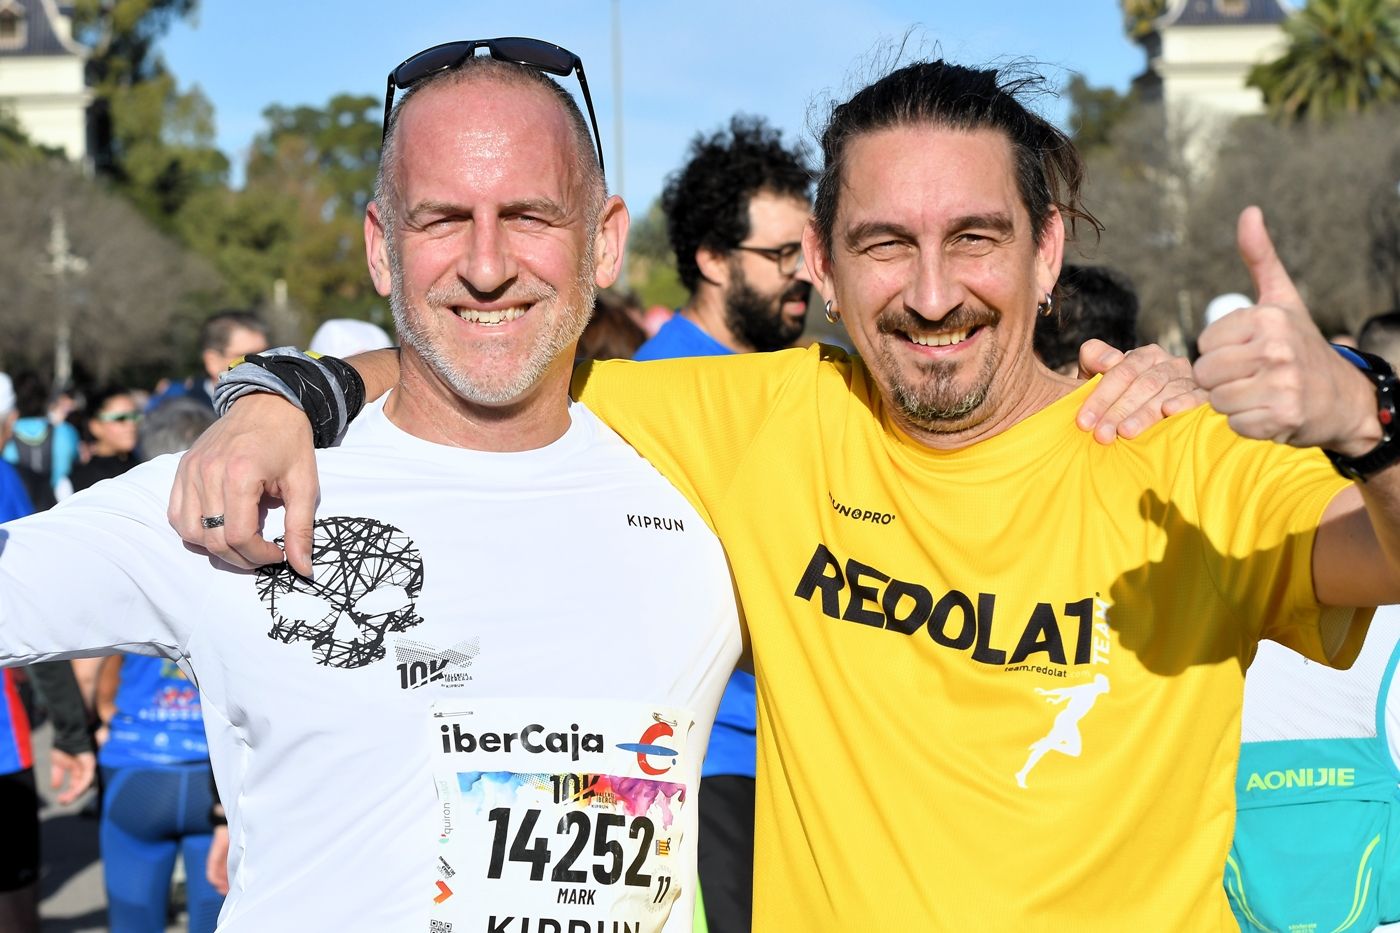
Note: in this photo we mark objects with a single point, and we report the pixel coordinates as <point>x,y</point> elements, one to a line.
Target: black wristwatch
<point>1387,451</point>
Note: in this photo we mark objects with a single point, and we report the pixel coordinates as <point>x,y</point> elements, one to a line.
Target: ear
<point>1050,252</point>
<point>609,241</point>
<point>377,251</point>
<point>817,262</point>
<point>713,265</point>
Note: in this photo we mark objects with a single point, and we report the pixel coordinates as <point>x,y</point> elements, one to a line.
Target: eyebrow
<point>544,206</point>
<point>434,207</point>
<point>547,207</point>
<point>877,228</point>
<point>997,221</point>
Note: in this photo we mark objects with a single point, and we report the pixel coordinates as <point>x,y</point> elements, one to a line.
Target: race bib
<point>561,816</point>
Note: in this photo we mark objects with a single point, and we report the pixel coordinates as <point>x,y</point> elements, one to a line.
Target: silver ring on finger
<point>212,521</point>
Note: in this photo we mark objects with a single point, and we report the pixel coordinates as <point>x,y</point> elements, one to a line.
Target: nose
<point>934,289</point>
<point>487,262</point>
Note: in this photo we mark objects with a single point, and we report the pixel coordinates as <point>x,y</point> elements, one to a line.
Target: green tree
<point>336,146</point>
<point>1094,112</point>
<point>1139,14</point>
<point>154,141</point>
<point>300,215</point>
<point>1343,56</point>
<point>17,148</point>
<point>651,264</point>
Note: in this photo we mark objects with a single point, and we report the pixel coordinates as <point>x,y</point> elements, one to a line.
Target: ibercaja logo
<point>652,746</point>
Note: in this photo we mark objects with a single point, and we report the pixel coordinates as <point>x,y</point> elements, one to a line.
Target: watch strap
<point>1387,452</point>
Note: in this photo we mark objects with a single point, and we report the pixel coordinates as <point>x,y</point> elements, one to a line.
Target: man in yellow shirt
<point>999,664</point>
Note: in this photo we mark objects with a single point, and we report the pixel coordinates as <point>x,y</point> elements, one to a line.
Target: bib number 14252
<point>516,838</point>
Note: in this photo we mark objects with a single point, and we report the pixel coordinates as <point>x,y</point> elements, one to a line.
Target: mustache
<point>515,292</point>
<point>799,292</point>
<point>962,317</point>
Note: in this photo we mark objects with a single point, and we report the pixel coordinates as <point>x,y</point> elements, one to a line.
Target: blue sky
<point>686,66</point>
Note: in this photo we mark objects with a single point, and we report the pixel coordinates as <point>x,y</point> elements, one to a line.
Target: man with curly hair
<point>735,213</point>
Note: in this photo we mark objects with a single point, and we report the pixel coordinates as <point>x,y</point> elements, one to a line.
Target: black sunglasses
<point>536,53</point>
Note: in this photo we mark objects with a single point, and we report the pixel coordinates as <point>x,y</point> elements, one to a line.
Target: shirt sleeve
<point>58,689</point>
<point>694,418</point>
<point>101,571</point>
<point>1259,505</point>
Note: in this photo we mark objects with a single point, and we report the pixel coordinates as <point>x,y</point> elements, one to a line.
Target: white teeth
<point>940,340</point>
<point>489,317</point>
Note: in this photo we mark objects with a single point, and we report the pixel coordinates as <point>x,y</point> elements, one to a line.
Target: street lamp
<point>62,263</point>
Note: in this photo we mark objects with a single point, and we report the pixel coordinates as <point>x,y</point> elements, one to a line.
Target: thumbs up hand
<point>1270,371</point>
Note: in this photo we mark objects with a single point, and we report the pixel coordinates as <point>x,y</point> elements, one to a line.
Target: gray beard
<point>562,340</point>
<point>935,405</point>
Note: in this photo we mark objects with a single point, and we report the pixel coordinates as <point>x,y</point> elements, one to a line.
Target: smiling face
<point>493,255</point>
<point>937,274</point>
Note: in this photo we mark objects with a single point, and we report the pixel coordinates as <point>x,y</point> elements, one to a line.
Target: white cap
<point>7,395</point>
<point>1222,305</point>
<point>345,336</point>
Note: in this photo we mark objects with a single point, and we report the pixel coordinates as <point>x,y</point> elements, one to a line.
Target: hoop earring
<point>833,313</point>
<point>1046,307</point>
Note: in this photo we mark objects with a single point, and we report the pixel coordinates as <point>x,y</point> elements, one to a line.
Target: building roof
<point>43,35</point>
<point>1223,13</point>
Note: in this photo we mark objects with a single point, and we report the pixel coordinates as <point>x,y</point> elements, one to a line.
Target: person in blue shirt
<point>72,758</point>
<point>157,782</point>
<point>734,214</point>
<point>44,451</point>
<point>223,338</point>
<point>156,797</point>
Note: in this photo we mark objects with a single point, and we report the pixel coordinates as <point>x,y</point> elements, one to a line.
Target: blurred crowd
<point>128,724</point>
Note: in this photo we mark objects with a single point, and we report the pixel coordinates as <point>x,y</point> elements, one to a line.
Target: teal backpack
<point>1317,834</point>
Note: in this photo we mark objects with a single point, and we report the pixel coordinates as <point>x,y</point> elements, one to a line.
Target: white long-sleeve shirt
<point>490,706</point>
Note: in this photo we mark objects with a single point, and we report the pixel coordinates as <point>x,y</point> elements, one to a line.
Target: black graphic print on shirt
<point>368,577</point>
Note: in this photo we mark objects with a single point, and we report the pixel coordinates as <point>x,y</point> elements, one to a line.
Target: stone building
<point>41,75</point>
<point>1199,53</point>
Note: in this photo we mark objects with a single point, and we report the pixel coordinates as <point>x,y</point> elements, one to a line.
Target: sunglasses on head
<point>536,53</point>
<point>119,416</point>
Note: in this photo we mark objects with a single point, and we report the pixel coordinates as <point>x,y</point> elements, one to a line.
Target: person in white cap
<point>343,336</point>
<point>1222,305</point>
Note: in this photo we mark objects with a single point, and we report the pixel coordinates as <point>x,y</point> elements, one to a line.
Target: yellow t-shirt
<point>932,630</point>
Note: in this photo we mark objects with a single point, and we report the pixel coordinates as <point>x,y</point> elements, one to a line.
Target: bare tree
<point>1329,196</point>
<point>137,299</point>
<point>1141,188</point>
<point>1384,222</point>
<point>1317,186</point>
